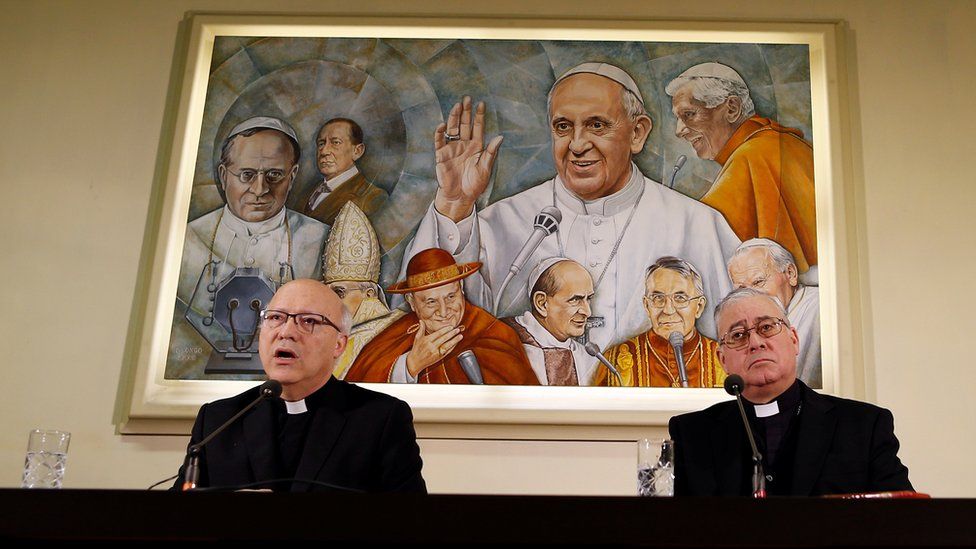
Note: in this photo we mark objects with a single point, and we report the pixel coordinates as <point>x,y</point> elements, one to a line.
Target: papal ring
<point>450,137</point>
<point>441,351</point>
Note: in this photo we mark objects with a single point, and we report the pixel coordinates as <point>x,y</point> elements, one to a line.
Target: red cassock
<point>496,346</point>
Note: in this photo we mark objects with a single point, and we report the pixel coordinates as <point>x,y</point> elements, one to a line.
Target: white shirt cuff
<point>400,374</point>
<point>453,236</point>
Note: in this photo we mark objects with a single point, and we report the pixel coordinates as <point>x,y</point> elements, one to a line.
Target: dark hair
<point>547,283</point>
<point>679,266</point>
<point>355,132</point>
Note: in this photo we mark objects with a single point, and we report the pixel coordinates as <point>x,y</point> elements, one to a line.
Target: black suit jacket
<point>357,439</point>
<point>358,190</point>
<point>842,446</point>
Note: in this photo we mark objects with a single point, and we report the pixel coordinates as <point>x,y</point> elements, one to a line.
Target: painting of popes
<point>514,212</point>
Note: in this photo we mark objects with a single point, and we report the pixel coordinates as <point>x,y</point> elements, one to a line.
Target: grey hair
<point>781,257</point>
<point>345,323</point>
<point>739,294</point>
<point>631,104</point>
<point>679,266</point>
<point>713,91</point>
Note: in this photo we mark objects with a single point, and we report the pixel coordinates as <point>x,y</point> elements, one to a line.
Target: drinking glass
<point>655,467</point>
<point>47,453</point>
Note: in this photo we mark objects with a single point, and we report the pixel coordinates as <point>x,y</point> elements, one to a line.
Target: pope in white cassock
<point>615,222</point>
<point>253,229</point>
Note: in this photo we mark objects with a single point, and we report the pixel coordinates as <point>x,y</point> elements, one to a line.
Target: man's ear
<point>292,176</point>
<point>540,304</point>
<point>358,151</point>
<point>642,129</point>
<point>734,112</point>
<point>370,292</point>
<point>791,275</point>
<point>341,341</point>
<point>409,299</point>
<point>222,176</point>
<point>700,307</point>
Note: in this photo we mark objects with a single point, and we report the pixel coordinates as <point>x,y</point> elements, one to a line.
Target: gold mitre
<point>352,251</point>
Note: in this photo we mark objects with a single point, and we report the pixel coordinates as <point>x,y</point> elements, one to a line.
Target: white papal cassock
<point>664,222</point>
<point>804,315</point>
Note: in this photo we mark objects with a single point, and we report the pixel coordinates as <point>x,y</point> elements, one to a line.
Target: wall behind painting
<point>81,104</point>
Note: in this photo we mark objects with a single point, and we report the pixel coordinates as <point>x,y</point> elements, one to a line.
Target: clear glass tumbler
<point>655,467</point>
<point>47,453</point>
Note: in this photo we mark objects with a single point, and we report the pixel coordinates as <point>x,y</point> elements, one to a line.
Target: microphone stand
<point>594,351</point>
<point>677,340</point>
<point>269,389</point>
<point>758,475</point>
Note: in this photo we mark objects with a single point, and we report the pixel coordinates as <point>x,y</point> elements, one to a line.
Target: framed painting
<point>574,196</point>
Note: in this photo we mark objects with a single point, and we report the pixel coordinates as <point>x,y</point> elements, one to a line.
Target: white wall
<point>82,95</point>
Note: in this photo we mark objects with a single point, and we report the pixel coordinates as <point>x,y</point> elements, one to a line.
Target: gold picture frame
<point>158,404</point>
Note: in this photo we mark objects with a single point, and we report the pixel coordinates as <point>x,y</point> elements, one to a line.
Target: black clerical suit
<point>832,446</point>
<point>352,438</point>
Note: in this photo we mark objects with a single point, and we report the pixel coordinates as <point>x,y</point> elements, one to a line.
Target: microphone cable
<point>260,483</point>
<point>164,480</point>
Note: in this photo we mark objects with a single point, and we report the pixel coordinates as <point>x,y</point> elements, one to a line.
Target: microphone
<point>268,390</point>
<point>594,351</point>
<point>546,222</point>
<point>677,166</point>
<point>469,363</point>
<point>677,341</point>
<point>734,384</point>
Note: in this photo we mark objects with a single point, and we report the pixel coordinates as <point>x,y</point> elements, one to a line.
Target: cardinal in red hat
<point>423,346</point>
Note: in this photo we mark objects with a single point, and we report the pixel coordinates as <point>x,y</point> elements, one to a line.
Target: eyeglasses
<point>738,338</point>
<point>271,176</point>
<point>306,322</point>
<point>680,301</point>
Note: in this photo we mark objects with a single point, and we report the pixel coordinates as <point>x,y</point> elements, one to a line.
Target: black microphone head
<point>734,384</point>
<point>548,219</point>
<point>270,389</point>
<point>676,339</point>
<point>591,348</point>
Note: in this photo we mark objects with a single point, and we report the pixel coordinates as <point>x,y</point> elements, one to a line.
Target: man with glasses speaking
<point>322,433</point>
<point>674,299</point>
<point>810,444</point>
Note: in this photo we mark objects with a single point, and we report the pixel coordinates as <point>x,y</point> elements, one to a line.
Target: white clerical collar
<point>608,205</point>
<point>251,228</point>
<point>335,182</point>
<point>767,410</point>
<point>296,407</point>
<point>541,334</point>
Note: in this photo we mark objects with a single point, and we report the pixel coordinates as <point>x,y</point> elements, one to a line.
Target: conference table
<point>362,520</point>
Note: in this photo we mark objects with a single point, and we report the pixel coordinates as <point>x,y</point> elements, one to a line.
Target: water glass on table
<point>655,467</point>
<point>47,452</point>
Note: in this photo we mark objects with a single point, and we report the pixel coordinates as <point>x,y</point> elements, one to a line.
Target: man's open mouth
<point>285,353</point>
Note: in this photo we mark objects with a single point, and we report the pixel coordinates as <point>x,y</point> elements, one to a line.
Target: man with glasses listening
<point>811,444</point>
<point>764,265</point>
<point>674,300</point>
<point>322,433</point>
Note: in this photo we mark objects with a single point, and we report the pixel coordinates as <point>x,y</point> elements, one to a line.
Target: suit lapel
<point>259,441</point>
<point>348,191</point>
<point>817,424</point>
<point>729,442</point>
<point>323,433</point>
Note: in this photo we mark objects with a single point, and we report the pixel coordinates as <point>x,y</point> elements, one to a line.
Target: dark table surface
<point>410,520</point>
